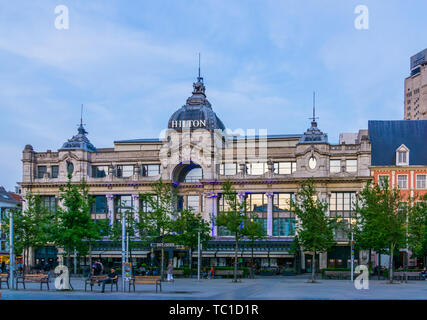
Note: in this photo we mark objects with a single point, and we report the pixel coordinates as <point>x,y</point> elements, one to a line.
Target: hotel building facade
<point>197,156</point>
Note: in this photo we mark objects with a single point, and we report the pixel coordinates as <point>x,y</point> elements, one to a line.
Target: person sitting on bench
<point>112,276</point>
<point>423,273</point>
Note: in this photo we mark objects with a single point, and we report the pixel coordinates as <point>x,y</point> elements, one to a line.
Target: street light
<point>11,250</point>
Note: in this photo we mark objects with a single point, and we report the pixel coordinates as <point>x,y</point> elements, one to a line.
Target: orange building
<point>399,157</point>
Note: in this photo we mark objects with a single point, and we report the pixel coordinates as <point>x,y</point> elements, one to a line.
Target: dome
<point>79,141</point>
<point>197,112</point>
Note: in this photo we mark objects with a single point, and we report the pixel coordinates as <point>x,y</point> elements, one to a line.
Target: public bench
<point>339,274</point>
<point>4,277</point>
<point>39,277</point>
<point>402,276</point>
<point>145,280</point>
<point>94,280</point>
<point>228,273</point>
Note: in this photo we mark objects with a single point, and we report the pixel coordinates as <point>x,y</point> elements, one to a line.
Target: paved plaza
<point>271,288</point>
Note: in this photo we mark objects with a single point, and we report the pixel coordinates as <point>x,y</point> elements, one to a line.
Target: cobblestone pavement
<point>271,288</point>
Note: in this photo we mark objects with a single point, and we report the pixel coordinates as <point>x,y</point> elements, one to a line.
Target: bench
<point>4,277</point>
<point>402,276</point>
<point>94,280</point>
<point>228,273</point>
<point>145,280</point>
<point>38,277</point>
<point>339,274</point>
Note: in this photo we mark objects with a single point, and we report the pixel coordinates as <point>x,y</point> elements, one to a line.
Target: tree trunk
<point>90,258</point>
<point>313,267</point>
<point>235,258</point>
<point>162,262</point>
<point>190,261</point>
<point>68,259</point>
<point>379,266</point>
<point>390,271</point>
<point>369,260</point>
<point>252,262</point>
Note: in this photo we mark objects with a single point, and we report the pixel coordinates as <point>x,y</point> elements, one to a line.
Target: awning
<point>246,254</point>
<point>118,254</point>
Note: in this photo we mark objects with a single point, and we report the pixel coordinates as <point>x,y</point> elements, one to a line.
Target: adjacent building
<point>399,158</point>
<point>197,155</point>
<point>415,95</point>
<point>8,201</point>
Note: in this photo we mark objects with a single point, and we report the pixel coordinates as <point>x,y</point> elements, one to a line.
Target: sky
<point>132,64</point>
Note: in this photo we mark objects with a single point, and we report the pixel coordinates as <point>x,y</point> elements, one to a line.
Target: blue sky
<point>132,64</point>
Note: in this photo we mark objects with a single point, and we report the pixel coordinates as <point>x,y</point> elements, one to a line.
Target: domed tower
<point>197,113</point>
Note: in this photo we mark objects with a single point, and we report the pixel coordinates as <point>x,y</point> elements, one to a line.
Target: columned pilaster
<point>135,198</point>
<point>269,214</point>
<point>110,205</point>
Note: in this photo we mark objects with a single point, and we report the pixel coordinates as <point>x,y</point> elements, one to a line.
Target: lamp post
<point>198,253</point>
<point>123,250</point>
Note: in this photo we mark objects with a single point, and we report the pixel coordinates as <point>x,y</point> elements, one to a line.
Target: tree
<point>188,225</point>
<point>315,230</point>
<point>253,231</point>
<point>381,220</point>
<point>73,225</point>
<point>417,227</point>
<point>233,218</point>
<point>157,223</point>
<point>31,227</point>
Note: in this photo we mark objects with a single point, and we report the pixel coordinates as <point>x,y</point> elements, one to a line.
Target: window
<point>402,155</point>
<point>123,203</point>
<point>124,171</point>
<point>257,205</point>
<point>55,171</point>
<point>145,205</point>
<point>41,170</point>
<point>351,165</point>
<point>193,203</point>
<point>49,202</point>
<point>257,168</point>
<point>99,171</point>
<point>341,206</point>
<point>194,175</point>
<point>99,204</point>
<point>283,218</point>
<point>402,181</point>
<point>335,166</point>
<point>228,169</point>
<point>383,181</point>
<point>421,181</point>
<point>285,167</point>
<point>150,170</point>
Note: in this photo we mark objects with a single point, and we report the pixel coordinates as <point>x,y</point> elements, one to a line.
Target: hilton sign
<point>188,123</point>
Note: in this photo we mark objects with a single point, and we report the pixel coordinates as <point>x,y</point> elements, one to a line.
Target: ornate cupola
<point>79,141</point>
<point>197,113</point>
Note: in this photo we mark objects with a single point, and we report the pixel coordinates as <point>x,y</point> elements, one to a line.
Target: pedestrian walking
<point>170,271</point>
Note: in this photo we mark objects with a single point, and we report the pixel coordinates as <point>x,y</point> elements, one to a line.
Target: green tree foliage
<point>73,227</point>
<point>315,230</point>
<point>233,218</point>
<point>381,221</point>
<point>188,224</point>
<point>253,231</point>
<point>157,223</point>
<point>418,227</point>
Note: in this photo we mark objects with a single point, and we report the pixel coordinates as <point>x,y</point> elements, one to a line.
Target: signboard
<point>128,270</point>
<point>167,245</point>
<point>188,123</point>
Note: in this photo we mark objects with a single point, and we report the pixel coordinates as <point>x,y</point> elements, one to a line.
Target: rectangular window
<point>287,167</point>
<point>49,202</point>
<point>228,169</point>
<point>341,206</point>
<point>123,203</point>
<point>283,218</point>
<point>99,171</point>
<point>150,170</point>
<point>99,204</point>
<point>421,181</point>
<point>402,181</point>
<point>124,171</point>
<point>193,203</point>
<point>335,166</point>
<point>41,170</point>
<point>55,171</point>
<point>383,181</point>
<point>146,206</point>
<point>257,168</point>
<point>351,165</point>
<point>402,156</point>
<point>283,227</point>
